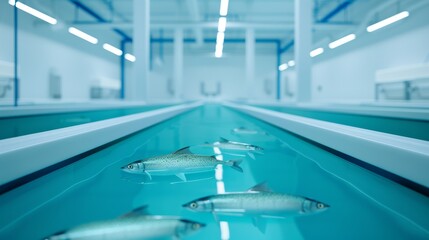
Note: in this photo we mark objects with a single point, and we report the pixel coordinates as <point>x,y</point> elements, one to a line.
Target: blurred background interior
<point>341,51</point>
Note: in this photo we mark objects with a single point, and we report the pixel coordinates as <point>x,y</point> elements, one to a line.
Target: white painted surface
<point>50,108</point>
<point>40,150</point>
<point>137,89</point>
<point>43,50</point>
<point>303,46</point>
<point>178,63</point>
<point>405,111</point>
<point>250,61</point>
<point>7,69</point>
<point>405,157</point>
<point>348,73</point>
<point>402,73</point>
<point>109,83</point>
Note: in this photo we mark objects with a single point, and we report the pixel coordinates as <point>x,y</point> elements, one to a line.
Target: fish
<point>246,131</point>
<point>132,226</point>
<point>258,201</point>
<point>236,146</point>
<point>231,145</point>
<point>178,163</point>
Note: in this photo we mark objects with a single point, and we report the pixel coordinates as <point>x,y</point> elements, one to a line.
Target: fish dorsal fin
<point>184,150</point>
<point>140,211</point>
<point>224,140</point>
<point>261,187</point>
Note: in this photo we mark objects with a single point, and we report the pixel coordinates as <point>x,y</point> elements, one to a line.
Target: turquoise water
<point>398,126</point>
<point>363,205</point>
<point>23,125</point>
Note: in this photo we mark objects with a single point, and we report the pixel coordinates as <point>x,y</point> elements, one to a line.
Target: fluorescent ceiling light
<point>291,63</point>
<point>12,2</point>
<point>130,57</point>
<point>342,41</point>
<point>224,7</point>
<point>112,49</point>
<point>387,21</point>
<point>222,24</point>
<point>35,13</point>
<point>83,35</point>
<point>316,52</point>
<point>220,38</point>
<point>218,54</point>
<point>283,67</point>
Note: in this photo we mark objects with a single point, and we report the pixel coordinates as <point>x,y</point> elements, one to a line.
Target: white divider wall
<point>54,146</point>
<point>403,156</point>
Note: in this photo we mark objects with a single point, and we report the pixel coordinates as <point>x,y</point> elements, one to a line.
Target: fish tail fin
<point>235,164</point>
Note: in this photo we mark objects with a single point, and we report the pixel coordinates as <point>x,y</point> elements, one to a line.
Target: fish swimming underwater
<point>246,131</point>
<point>132,226</point>
<point>236,146</point>
<point>257,201</point>
<point>178,163</point>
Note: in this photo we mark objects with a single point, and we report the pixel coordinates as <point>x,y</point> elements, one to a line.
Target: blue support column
<point>122,91</point>
<point>151,54</point>
<point>16,82</point>
<point>279,54</point>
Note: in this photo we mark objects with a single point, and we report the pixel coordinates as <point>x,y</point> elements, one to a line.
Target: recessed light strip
<point>388,21</point>
<point>112,49</point>
<point>222,24</point>
<point>83,35</point>
<point>316,52</point>
<point>283,67</point>
<point>33,12</point>
<point>342,41</point>
<point>224,7</point>
<point>130,57</point>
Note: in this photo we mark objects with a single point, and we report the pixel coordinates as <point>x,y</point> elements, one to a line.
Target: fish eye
<point>320,205</point>
<point>196,226</point>
<point>193,205</point>
<point>130,166</point>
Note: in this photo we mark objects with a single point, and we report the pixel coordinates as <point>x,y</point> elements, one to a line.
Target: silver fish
<point>178,163</point>
<point>231,145</point>
<point>225,144</point>
<point>246,131</point>
<point>258,201</point>
<point>131,227</point>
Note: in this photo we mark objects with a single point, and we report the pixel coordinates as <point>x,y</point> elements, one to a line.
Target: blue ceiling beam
<point>342,6</point>
<point>287,47</point>
<point>91,12</point>
<point>212,40</point>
